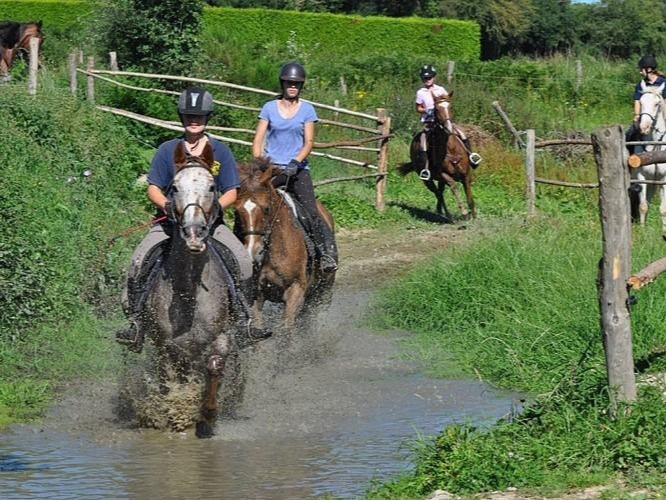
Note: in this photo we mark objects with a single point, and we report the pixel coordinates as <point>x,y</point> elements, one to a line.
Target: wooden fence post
<point>90,89</point>
<point>382,157</point>
<point>34,65</point>
<point>343,85</point>
<point>71,65</point>
<point>113,61</point>
<point>615,265</point>
<point>530,173</point>
<point>450,66</point>
<point>579,74</point>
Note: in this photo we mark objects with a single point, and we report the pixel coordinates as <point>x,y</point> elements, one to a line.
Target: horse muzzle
<point>195,237</point>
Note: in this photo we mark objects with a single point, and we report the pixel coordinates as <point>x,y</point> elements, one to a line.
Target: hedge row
<point>56,15</point>
<point>337,35</point>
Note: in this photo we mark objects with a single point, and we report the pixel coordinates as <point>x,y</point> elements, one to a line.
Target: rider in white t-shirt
<point>425,105</point>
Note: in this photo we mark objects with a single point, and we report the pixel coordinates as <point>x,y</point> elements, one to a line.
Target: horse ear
<point>450,94</point>
<point>179,156</point>
<point>207,155</point>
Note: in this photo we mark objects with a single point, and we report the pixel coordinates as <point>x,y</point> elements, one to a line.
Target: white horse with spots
<point>652,125</point>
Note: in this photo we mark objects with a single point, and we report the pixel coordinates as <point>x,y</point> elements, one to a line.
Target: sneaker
<point>475,159</point>
<point>327,264</point>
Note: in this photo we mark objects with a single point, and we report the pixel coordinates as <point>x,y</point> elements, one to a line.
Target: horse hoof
<point>204,430</point>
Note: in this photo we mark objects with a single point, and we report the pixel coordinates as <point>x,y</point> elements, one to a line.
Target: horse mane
<point>252,173</point>
<point>10,34</point>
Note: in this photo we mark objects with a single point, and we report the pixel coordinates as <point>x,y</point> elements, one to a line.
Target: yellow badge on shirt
<point>215,168</point>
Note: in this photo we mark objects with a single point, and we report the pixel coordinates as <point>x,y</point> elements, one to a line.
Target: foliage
<point>337,36</point>
<point>158,37</point>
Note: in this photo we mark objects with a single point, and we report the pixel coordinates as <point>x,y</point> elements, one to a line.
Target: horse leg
<point>467,183</point>
<point>662,210</point>
<point>643,206</point>
<point>214,370</point>
<point>438,191</point>
<point>454,189</point>
<point>294,298</point>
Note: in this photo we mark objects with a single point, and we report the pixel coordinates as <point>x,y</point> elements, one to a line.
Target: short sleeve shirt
<point>424,96</point>
<point>642,85</point>
<point>284,138</point>
<point>162,169</point>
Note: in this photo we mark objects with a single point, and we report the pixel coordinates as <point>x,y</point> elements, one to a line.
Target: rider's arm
<point>420,108</point>
<point>228,198</point>
<point>156,195</point>
<point>637,109</point>
<point>259,136</point>
<point>308,141</point>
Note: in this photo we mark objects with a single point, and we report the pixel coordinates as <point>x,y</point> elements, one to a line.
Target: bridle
<point>209,218</point>
<point>661,108</point>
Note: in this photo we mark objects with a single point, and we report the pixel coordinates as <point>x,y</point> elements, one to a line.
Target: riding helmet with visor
<point>427,71</point>
<point>292,72</point>
<point>195,101</point>
<point>648,61</point>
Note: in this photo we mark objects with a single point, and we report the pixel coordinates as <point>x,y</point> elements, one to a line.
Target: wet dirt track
<point>328,413</point>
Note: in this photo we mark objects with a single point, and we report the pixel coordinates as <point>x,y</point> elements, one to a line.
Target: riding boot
<point>326,248</point>
<point>474,158</point>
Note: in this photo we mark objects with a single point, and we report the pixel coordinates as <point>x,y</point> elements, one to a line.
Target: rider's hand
<point>292,168</point>
<point>170,210</point>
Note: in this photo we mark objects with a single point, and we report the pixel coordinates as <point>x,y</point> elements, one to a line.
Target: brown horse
<point>286,268</point>
<point>15,42</point>
<point>448,160</point>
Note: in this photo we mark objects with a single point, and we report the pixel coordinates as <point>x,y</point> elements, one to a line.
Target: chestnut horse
<point>286,268</point>
<point>15,42</point>
<point>448,160</point>
<point>187,314</point>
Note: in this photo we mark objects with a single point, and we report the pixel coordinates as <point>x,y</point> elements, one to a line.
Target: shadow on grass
<point>425,215</point>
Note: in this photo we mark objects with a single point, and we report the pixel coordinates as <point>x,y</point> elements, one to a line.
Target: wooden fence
<point>377,131</point>
<point>615,279</point>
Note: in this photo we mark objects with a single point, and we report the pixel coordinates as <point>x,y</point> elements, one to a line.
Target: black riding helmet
<point>292,72</point>
<point>648,61</point>
<point>195,101</point>
<point>427,71</point>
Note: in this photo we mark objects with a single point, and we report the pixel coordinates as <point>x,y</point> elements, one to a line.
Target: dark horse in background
<point>15,42</point>
<point>448,160</point>
<point>286,268</point>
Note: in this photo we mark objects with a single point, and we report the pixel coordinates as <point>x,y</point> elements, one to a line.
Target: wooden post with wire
<point>71,67</point>
<point>384,121</point>
<point>615,264</point>
<point>34,66</point>
<point>530,175</point>
<point>90,88</point>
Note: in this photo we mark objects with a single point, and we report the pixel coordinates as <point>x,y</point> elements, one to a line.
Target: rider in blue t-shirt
<point>285,134</point>
<point>195,107</point>
<point>647,65</point>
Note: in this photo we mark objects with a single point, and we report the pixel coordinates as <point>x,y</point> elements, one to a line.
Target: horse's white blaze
<point>253,240</point>
<point>195,196</point>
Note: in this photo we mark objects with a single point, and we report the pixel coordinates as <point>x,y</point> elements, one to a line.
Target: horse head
<point>443,110</point>
<point>194,196</point>
<point>254,205</point>
<point>651,105</point>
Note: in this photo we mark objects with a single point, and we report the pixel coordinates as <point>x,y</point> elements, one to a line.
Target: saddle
<point>304,221</point>
<point>139,287</point>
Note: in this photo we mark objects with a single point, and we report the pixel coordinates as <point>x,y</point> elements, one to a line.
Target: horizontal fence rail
<point>377,143</point>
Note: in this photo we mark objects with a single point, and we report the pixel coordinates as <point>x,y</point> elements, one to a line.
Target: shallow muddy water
<point>334,410</point>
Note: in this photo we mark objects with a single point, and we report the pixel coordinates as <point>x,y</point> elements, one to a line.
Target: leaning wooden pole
<point>530,175</point>
<point>615,265</point>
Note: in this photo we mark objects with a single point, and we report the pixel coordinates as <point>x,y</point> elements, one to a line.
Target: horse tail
<point>405,168</point>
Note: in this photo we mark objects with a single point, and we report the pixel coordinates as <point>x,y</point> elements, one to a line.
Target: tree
<point>160,36</point>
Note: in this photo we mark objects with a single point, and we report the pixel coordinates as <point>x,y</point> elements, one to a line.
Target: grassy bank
<point>520,310</point>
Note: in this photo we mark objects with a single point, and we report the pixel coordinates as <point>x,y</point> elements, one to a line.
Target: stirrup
<point>131,337</point>
<point>327,263</point>
<point>475,159</point>
<point>424,174</point>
